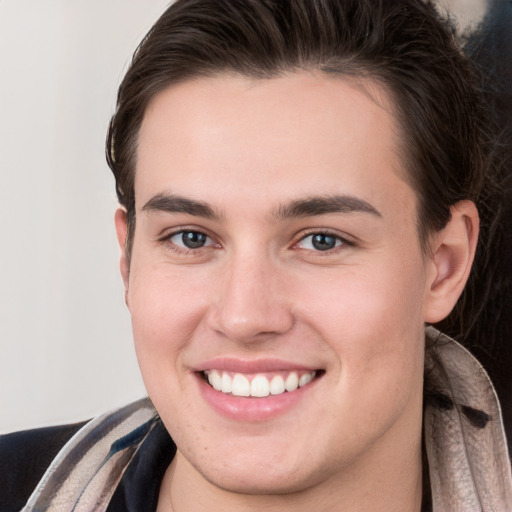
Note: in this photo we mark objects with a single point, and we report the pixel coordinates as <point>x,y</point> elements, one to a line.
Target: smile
<point>257,385</point>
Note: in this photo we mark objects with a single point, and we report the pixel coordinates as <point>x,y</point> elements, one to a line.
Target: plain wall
<point>65,341</point>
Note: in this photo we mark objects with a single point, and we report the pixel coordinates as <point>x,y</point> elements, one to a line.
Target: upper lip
<point>252,366</point>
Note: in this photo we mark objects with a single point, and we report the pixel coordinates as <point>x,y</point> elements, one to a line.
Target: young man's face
<point>276,240</point>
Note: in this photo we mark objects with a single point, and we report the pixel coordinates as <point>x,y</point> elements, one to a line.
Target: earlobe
<point>453,253</point>
<point>121,230</point>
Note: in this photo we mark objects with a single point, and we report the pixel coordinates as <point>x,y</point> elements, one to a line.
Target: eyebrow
<point>305,207</point>
<point>171,203</point>
<point>321,205</point>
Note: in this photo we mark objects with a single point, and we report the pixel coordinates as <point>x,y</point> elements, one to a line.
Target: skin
<point>259,288</point>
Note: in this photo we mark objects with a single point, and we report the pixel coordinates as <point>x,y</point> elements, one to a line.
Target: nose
<point>252,303</point>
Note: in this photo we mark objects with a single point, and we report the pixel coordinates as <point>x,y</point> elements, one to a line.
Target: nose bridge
<point>252,302</point>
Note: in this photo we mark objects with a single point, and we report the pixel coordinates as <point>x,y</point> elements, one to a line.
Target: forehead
<point>230,136</point>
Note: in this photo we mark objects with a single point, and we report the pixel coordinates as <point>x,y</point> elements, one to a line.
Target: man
<point>297,184</point>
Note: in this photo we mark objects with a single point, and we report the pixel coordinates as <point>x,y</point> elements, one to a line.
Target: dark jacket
<point>26,455</point>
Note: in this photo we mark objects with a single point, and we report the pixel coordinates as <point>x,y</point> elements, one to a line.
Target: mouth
<point>259,385</point>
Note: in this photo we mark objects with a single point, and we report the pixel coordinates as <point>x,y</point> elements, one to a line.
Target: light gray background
<point>65,341</point>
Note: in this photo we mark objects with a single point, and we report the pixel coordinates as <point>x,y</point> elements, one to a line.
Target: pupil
<point>193,239</point>
<point>323,242</point>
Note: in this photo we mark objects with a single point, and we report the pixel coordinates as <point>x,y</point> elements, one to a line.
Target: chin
<point>260,465</point>
<point>258,481</point>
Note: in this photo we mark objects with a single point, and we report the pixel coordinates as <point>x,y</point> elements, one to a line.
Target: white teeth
<point>215,380</point>
<point>227,383</point>
<point>277,385</point>
<point>241,385</point>
<point>292,382</point>
<point>260,386</point>
<point>305,379</point>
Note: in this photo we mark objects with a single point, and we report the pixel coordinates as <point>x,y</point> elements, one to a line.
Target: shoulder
<point>24,457</point>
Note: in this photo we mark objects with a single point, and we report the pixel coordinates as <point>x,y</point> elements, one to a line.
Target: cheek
<point>387,298</point>
<point>372,318</point>
<point>165,308</point>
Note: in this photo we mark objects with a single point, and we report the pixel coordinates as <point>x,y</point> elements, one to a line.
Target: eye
<point>190,239</point>
<point>321,242</point>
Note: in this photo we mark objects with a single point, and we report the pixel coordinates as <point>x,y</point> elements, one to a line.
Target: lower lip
<point>251,409</point>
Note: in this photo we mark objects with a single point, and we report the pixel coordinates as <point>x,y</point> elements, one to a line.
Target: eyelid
<point>168,232</point>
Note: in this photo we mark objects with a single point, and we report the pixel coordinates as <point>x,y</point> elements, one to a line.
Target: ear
<point>121,230</point>
<point>453,251</point>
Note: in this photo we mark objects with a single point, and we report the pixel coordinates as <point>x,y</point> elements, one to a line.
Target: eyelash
<point>182,250</point>
<point>340,241</point>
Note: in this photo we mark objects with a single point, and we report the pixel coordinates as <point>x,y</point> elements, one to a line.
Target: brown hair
<point>403,44</point>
